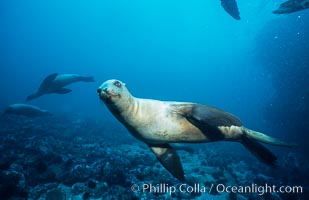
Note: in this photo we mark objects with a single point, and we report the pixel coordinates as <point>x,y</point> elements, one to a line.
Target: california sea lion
<point>291,6</point>
<point>158,123</point>
<point>55,83</point>
<point>26,110</point>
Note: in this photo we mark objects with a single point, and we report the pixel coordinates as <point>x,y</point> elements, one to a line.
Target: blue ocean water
<point>187,51</point>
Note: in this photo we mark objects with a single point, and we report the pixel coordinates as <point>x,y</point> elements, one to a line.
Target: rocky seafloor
<point>59,158</point>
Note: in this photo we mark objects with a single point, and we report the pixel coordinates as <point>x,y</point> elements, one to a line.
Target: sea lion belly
<point>156,122</point>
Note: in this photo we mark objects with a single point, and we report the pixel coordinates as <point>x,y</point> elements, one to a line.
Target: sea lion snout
<point>99,91</point>
<point>110,89</point>
<point>103,93</point>
<point>107,93</point>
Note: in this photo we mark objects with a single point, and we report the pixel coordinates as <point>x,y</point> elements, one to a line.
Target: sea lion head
<point>114,92</point>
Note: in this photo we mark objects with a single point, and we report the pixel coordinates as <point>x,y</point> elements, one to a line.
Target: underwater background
<point>187,51</point>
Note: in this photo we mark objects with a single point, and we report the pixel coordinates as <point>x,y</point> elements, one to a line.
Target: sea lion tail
<point>87,79</point>
<point>260,137</point>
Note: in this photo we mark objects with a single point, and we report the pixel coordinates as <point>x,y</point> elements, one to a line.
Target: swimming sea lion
<point>158,123</point>
<point>55,83</point>
<point>26,110</point>
<point>291,6</point>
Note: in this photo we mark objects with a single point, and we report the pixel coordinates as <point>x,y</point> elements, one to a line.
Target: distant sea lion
<point>26,110</point>
<point>55,83</point>
<point>158,123</point>
<point>291,6</point>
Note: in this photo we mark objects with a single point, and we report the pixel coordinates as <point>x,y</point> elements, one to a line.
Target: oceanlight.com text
<point>163,188</point>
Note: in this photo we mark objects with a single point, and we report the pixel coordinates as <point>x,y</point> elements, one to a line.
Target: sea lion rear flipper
<point>169,159</point>
<point>87,78</point>
<point>259,151</point>
<point>208,118</point>
<point>250,139</point>
<point>63,91</point>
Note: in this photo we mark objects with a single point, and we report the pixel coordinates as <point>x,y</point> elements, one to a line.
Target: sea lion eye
<point>117,83</point>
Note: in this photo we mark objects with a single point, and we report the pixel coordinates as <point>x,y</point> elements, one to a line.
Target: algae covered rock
<point>55,194</point>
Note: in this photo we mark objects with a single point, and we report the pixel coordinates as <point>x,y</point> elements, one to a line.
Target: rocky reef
<point>61,158</point>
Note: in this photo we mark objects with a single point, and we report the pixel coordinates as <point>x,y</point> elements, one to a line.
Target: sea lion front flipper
<point>43,87</point>
<point>230,6</point>
<point>211,116</point>
<point>169,158</point>
<point>63,91</point>
<point>46,82</point>
<point>208,119</point>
